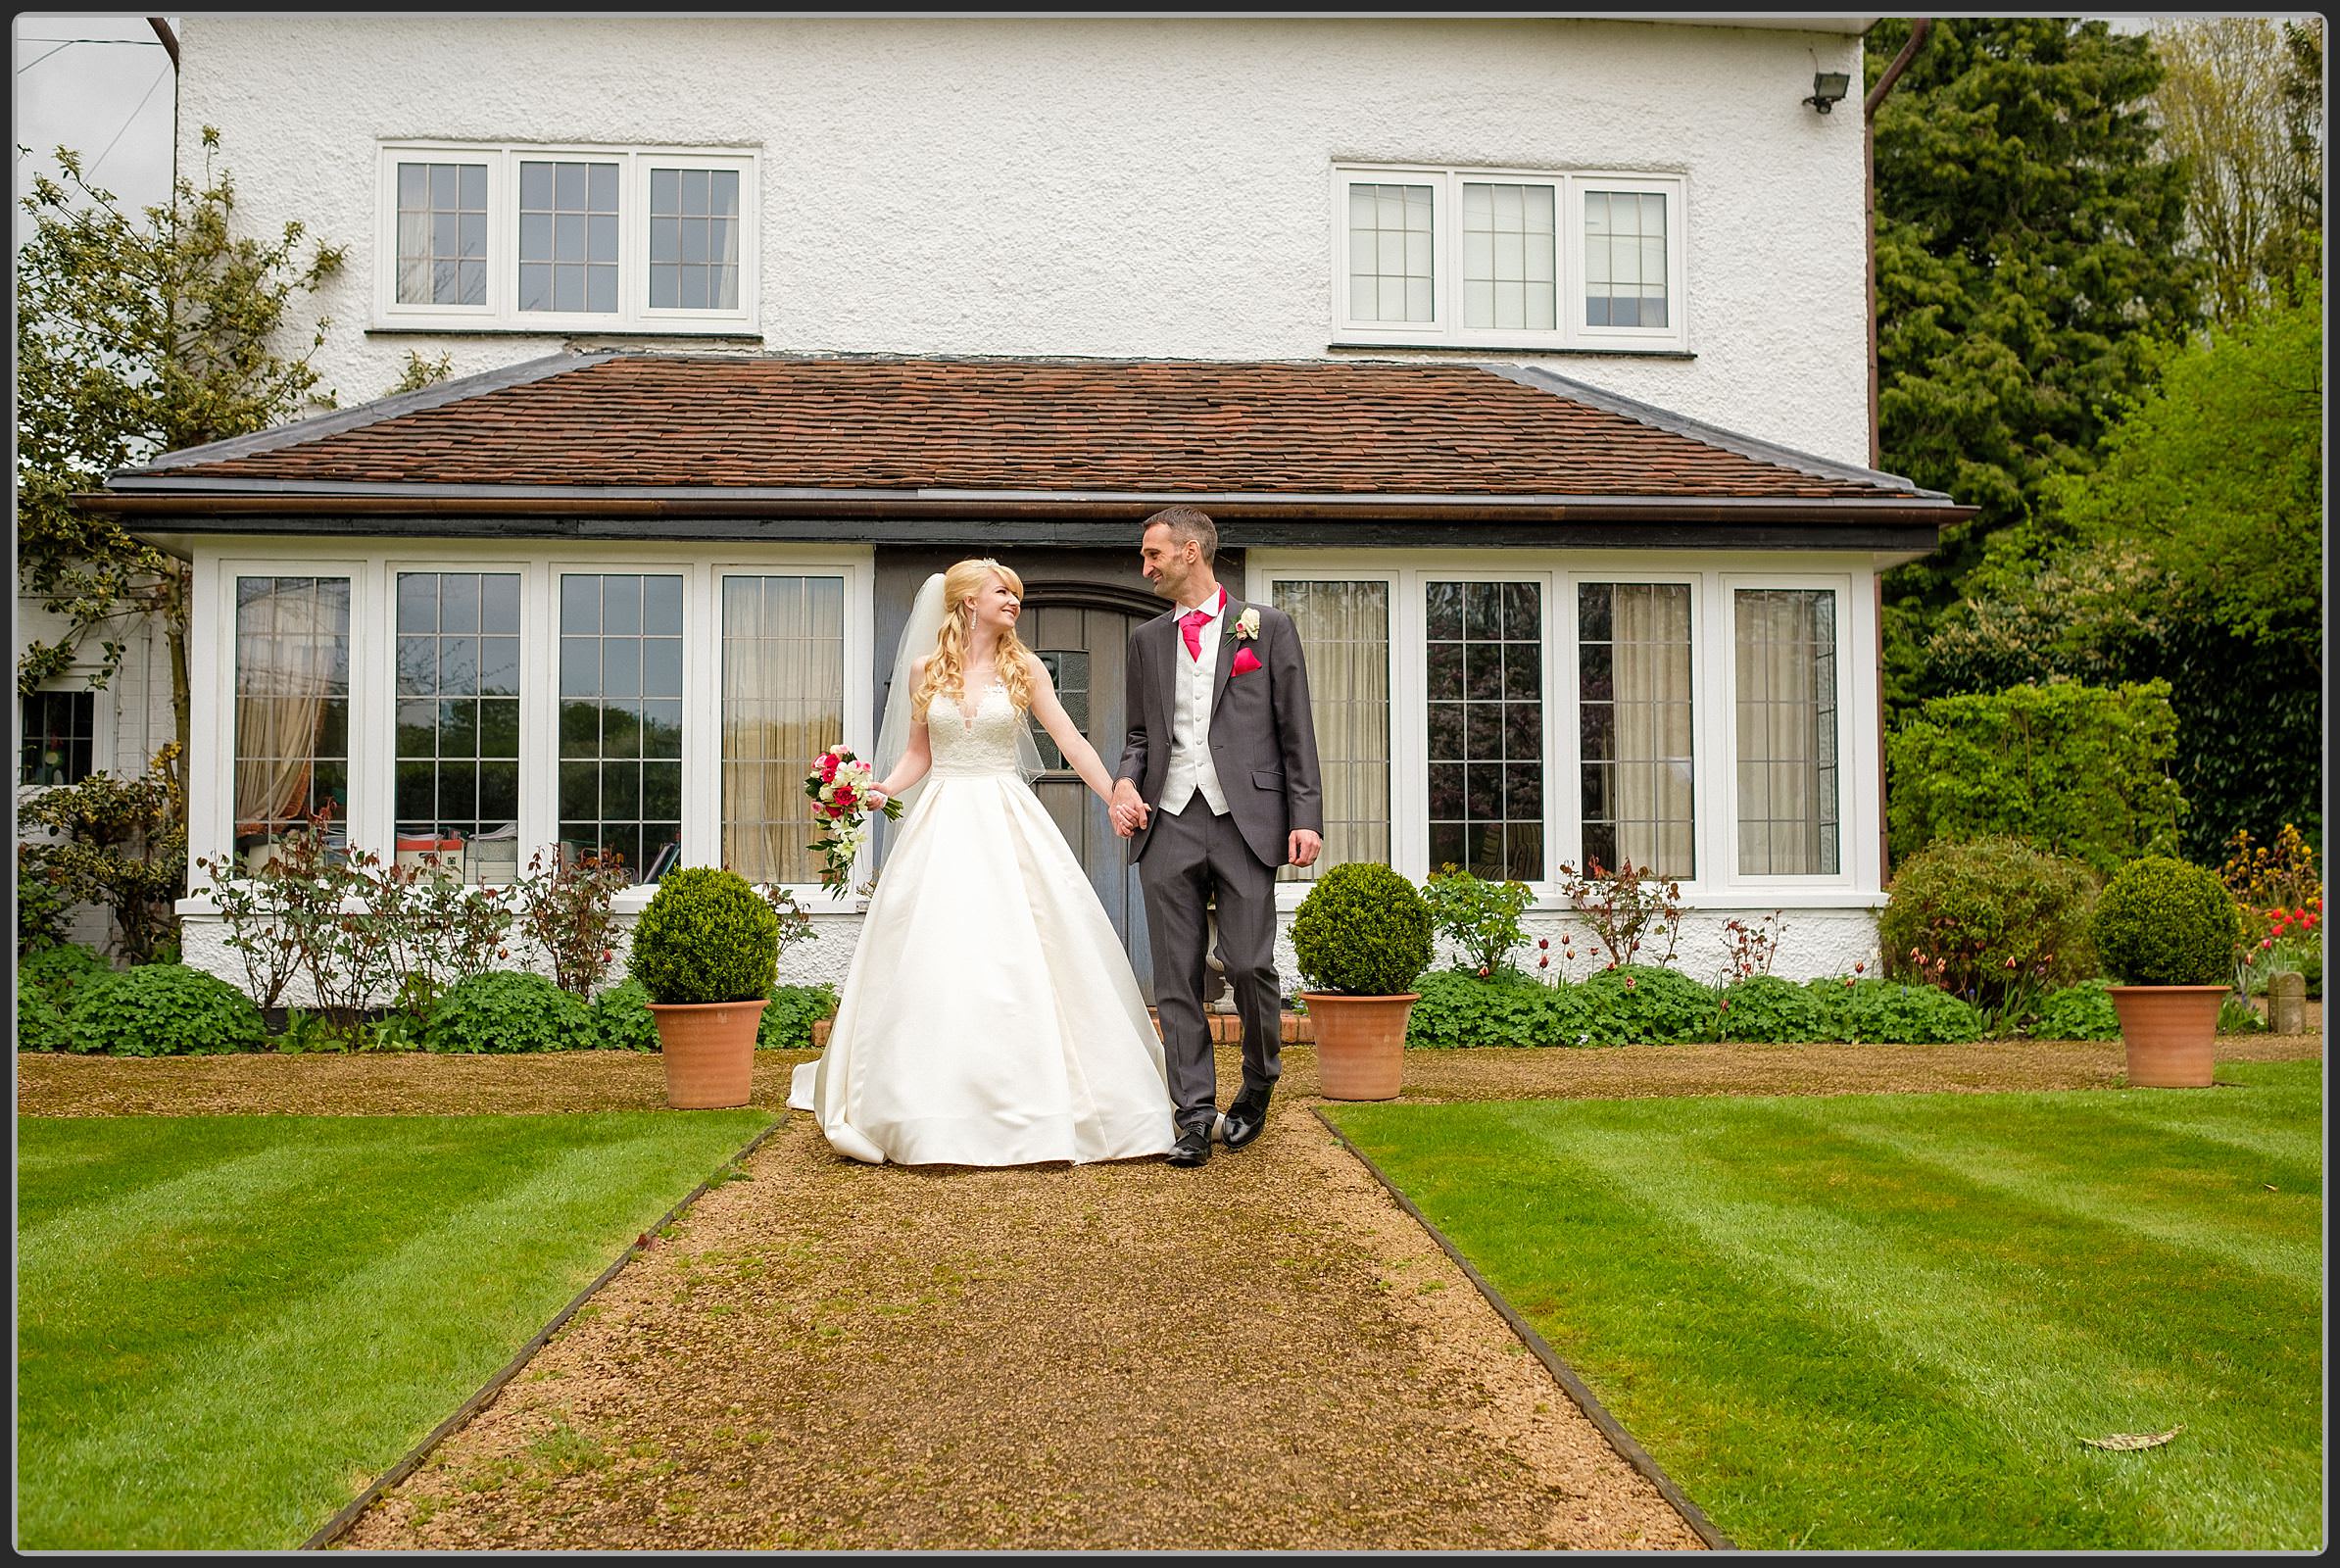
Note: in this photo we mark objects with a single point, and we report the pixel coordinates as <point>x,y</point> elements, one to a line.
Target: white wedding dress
<point>990,1016</point>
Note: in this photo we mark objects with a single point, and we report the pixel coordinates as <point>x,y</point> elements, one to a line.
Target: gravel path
<point>1264,1353</point>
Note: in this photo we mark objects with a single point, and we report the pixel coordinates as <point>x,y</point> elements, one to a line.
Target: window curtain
<point>1650,661</point>
<point>1345,632</point>
<point>1786,656</point>
<point>783,706</point>
<point>289,660</point>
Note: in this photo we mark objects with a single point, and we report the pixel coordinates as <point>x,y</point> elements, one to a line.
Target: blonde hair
<point>946,668</point>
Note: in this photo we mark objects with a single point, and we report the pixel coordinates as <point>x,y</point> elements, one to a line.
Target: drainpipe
<point>1920,27</point>
<point>170,39</point>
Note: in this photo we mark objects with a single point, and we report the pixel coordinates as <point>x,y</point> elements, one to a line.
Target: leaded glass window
<point>292,707</point>
<point>621,719</point>
<point>568,236</point>
<point>1392,269</point>
<point>458,721</point>
<point>694,239</point>
<point>1625,259</point>
<point>442,233</point>
<point>1485,659</point>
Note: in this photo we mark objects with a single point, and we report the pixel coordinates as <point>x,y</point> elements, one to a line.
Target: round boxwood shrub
<point>1892,1012</point>
<point>1765,1008</point>
<point>2078,1012</point>
<point>1978,905</point>
<point>622,1019</point>
<point>163,1010</point>
<point>507,1010</point>
<point>48,983</point>
<point>706,936</point>
<point>2167,922</point>
<point>1646,1005</point>
<point>1362,931</point>
<point>1459,1010</point>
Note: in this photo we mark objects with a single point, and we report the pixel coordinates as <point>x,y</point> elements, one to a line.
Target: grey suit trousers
<point>1191,857</point>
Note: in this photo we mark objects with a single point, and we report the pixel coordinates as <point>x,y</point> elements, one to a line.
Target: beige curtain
<point>1785,651</point>
<point>291,655</point>
<point>1344,634</point>
<point>783,706</point>
<point>1654,802</point>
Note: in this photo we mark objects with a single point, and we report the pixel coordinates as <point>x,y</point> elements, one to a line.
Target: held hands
<point>1127,810</point>
<point>1304,847</point>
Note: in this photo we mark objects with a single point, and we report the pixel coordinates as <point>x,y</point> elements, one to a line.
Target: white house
<point>1523,360</point>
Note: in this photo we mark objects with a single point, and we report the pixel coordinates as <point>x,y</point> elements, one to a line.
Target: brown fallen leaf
<point>2134,1440</point>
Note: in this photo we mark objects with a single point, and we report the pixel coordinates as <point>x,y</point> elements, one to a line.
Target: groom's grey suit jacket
<point>1262,732</point>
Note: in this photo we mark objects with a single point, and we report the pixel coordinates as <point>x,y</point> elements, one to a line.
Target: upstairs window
<point>562,240</point>
<point>1489,258</point>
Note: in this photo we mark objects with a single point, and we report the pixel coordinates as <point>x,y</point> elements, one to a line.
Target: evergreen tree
<point>2028,254</point>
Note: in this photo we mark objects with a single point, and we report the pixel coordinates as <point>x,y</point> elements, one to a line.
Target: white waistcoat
<point>1191,771</point>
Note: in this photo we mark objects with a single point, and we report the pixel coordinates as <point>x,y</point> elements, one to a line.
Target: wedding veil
<point>918,635</point>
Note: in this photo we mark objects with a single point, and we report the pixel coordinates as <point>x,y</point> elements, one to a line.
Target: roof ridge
<point>335,422</point>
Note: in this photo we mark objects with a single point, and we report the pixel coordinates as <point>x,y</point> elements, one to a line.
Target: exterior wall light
<point>1828,89</point>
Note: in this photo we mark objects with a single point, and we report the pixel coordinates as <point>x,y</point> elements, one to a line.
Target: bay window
<point>291,746</point>
<point>1784,652</point>
<point>1635,730</point>
<point>782,706</point>
<point>1345,629</point>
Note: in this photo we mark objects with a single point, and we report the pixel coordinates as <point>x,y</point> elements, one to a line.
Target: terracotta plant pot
<point>2169,1031</point>
<point>1360,1043</point>
<point>710,1052</point>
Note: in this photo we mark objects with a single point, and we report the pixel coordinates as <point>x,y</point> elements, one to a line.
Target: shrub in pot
<point>1363,938</point>
<point>2165,931</point>
<point>708,950</point>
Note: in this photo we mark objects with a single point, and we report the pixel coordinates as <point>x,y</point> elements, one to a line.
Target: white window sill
<point>1604,350</point>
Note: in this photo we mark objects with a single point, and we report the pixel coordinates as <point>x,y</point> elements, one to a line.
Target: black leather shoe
<point>1192,1148</point>
<point>1245,1119</point>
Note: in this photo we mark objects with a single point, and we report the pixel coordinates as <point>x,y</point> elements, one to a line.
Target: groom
<point>1218,786</point>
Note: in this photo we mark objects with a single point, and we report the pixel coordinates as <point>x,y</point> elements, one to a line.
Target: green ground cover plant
<point>163,1009</point>
<point>227,1326</point>
<point>1894,1322</point>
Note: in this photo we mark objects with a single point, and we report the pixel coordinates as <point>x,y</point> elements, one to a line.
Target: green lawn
<point>228,1326</point>
<point>1888,1321</point>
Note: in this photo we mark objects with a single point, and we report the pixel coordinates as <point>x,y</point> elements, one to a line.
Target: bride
<point>990,1016</point>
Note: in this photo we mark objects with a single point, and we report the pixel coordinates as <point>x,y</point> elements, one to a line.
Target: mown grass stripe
<point>1833,1346</point>
<point>2046,1187</point>
<point>249,1430</point>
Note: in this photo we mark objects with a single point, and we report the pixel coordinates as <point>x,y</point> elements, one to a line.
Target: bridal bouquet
<point>839,787</point>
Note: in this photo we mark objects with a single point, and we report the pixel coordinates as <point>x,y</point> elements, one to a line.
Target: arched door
<point>1081,632</point>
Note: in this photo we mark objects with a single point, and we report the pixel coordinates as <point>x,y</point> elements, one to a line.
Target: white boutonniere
<point>1246,624</point>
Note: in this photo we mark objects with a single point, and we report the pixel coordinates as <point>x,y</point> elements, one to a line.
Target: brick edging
<point>1630,1451</point>
<point>334,1527</point>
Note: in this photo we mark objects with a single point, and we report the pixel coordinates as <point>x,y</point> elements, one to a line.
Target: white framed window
<point>1636,670</point>
<point>514,236</point>
<point>1549,706</point>
<point>1344,623</point>
<point>1788,726</point>
<point>1586,260</point>
<point>485,705</point>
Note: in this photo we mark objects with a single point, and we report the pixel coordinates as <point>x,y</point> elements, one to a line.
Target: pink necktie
<point>1192,623</point>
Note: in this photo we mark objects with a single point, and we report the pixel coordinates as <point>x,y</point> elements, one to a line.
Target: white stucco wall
<point>1142,187</point>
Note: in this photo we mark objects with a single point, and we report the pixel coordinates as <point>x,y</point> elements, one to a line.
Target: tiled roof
<point>721,422</point>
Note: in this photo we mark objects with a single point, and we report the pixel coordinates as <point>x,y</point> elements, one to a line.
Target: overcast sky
<point>107,95</point>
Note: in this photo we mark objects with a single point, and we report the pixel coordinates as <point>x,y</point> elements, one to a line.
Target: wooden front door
<point>1084,640</point>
